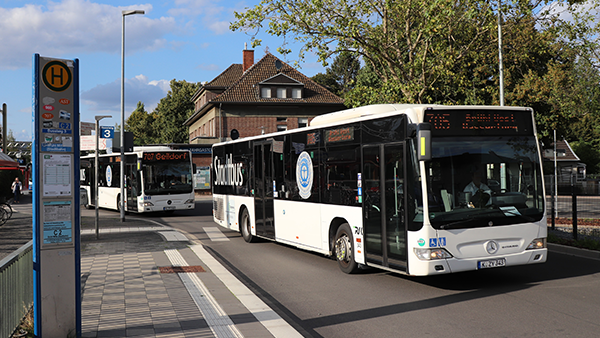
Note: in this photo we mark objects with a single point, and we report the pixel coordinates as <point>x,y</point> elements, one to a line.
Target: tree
<point>340,78</point>
<point>327,80</point>
<point>444,51</point>
<point>409,43</point>
<point>172,111</point>
<point>140,124</point>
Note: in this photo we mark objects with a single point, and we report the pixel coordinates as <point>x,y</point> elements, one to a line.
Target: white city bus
<point>392,186</point>
<point>156,179</point>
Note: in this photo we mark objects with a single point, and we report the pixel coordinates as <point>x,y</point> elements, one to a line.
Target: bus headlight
<point>432,254</point>
<point>538,243</point>
<point>190,201</point>
<point>148,204</point>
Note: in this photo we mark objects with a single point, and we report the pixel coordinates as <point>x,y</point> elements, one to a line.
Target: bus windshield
<point>484,181</point>
<point>167,178</point>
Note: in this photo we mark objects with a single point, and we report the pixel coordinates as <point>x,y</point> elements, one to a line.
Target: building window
<point>296,93</point>
<point>302,122</point>
<point>282,119</point>
<point>281,128</point>
<point>281,93</point>
<point>265,92</point>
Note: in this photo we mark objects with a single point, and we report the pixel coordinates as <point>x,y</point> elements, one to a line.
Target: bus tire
<point>119,205</point>
<point>246,227</point>
<point>344,250</point>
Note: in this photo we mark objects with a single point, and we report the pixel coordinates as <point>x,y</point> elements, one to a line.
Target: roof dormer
<point>281,86</point>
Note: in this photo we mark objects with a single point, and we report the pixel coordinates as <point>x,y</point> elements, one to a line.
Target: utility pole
<point>4,127</point>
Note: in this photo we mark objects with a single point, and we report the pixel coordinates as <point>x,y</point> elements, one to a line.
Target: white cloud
<point>561,10</point>
<point>106,98</point>
<point>213,17</point>
<point>75,27</point>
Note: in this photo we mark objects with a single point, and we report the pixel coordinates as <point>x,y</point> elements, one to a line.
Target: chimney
<point>248,58</point>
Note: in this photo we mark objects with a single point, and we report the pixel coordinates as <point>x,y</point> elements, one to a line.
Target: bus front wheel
<point>245,227</point>
<point>344,249</point>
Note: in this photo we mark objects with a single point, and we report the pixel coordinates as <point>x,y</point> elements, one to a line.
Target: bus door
<point>263,189</point>
<point>383,184</point>
<point>132,186</point>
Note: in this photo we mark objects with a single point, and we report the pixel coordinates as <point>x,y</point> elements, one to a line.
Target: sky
<point>182,39</point>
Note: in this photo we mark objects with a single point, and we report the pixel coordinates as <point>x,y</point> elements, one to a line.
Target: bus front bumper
<point>452,265</point>
<point>166,206</point>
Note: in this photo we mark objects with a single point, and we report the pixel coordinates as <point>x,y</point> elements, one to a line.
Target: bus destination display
<point>165,156</point>
<point>468,122</point>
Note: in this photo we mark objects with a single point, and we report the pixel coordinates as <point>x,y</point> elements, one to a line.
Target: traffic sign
<point>57,76</point>
<point>107,132</point>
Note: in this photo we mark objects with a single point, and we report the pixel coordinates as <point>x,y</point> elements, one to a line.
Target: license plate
<point>169,208</point>
<point>491,263</point>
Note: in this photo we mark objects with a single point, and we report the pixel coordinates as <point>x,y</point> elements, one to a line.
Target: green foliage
<point>340,78</point>
<point>140,124</point>
<point>411,43</point>
<point>165,124</point>
<point>367,77</point>
<point>327,80</point>
<point>444,51</point>
<point>172,111</point>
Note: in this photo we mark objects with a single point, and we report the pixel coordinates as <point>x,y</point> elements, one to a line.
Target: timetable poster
<point>57,173</point>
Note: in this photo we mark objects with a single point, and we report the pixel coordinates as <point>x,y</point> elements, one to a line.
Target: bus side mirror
<point>411,130</point>
<point>424,142</point>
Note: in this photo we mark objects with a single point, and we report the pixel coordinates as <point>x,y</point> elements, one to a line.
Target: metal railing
<point>573,208</point>
<point>16,288</point>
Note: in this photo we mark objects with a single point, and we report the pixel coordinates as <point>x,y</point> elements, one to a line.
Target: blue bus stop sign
<point>107,132</point>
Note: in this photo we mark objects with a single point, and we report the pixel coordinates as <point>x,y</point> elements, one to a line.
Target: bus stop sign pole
<point>55,198</point>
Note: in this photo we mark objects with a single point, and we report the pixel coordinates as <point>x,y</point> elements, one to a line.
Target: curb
<point>569,250</point>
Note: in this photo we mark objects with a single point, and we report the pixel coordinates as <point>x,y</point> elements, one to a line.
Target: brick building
<point>253,99</point>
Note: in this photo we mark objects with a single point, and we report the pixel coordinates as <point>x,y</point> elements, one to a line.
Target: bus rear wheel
<point>245,227</point>
<point>344,250</point>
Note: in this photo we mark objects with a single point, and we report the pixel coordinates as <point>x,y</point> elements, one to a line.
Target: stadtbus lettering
<point>228,173</point>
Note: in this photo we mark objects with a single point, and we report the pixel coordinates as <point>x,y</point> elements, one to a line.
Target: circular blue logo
<point>304,175</point>
<point>108,176</point>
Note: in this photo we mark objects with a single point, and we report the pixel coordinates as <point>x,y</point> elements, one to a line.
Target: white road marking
<point>173,236</point>
<point>267,317</point>
<point>215,234</point>
<point>219,322</point>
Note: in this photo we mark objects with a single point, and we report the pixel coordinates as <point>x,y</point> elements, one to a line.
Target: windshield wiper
<point>482,215</point>
<point>454,225</point>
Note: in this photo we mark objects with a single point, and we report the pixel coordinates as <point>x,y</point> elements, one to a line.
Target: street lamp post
<point>98,118</point>
<point>122,174</point>
<point>500,66</point>
<point>4,127</point>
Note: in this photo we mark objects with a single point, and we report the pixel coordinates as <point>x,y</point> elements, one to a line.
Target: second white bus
<point>156,179</point>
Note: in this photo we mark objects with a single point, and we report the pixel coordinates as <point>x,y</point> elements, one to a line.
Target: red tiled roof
<point>228,77</point>
<point>246,89</point>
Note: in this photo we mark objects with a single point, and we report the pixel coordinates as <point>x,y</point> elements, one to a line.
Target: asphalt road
<point>557,299</point>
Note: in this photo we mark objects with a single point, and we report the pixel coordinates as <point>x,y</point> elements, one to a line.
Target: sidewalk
<point>144,279</point>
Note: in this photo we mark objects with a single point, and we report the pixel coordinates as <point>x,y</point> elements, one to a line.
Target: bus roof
<point>414,112</point>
